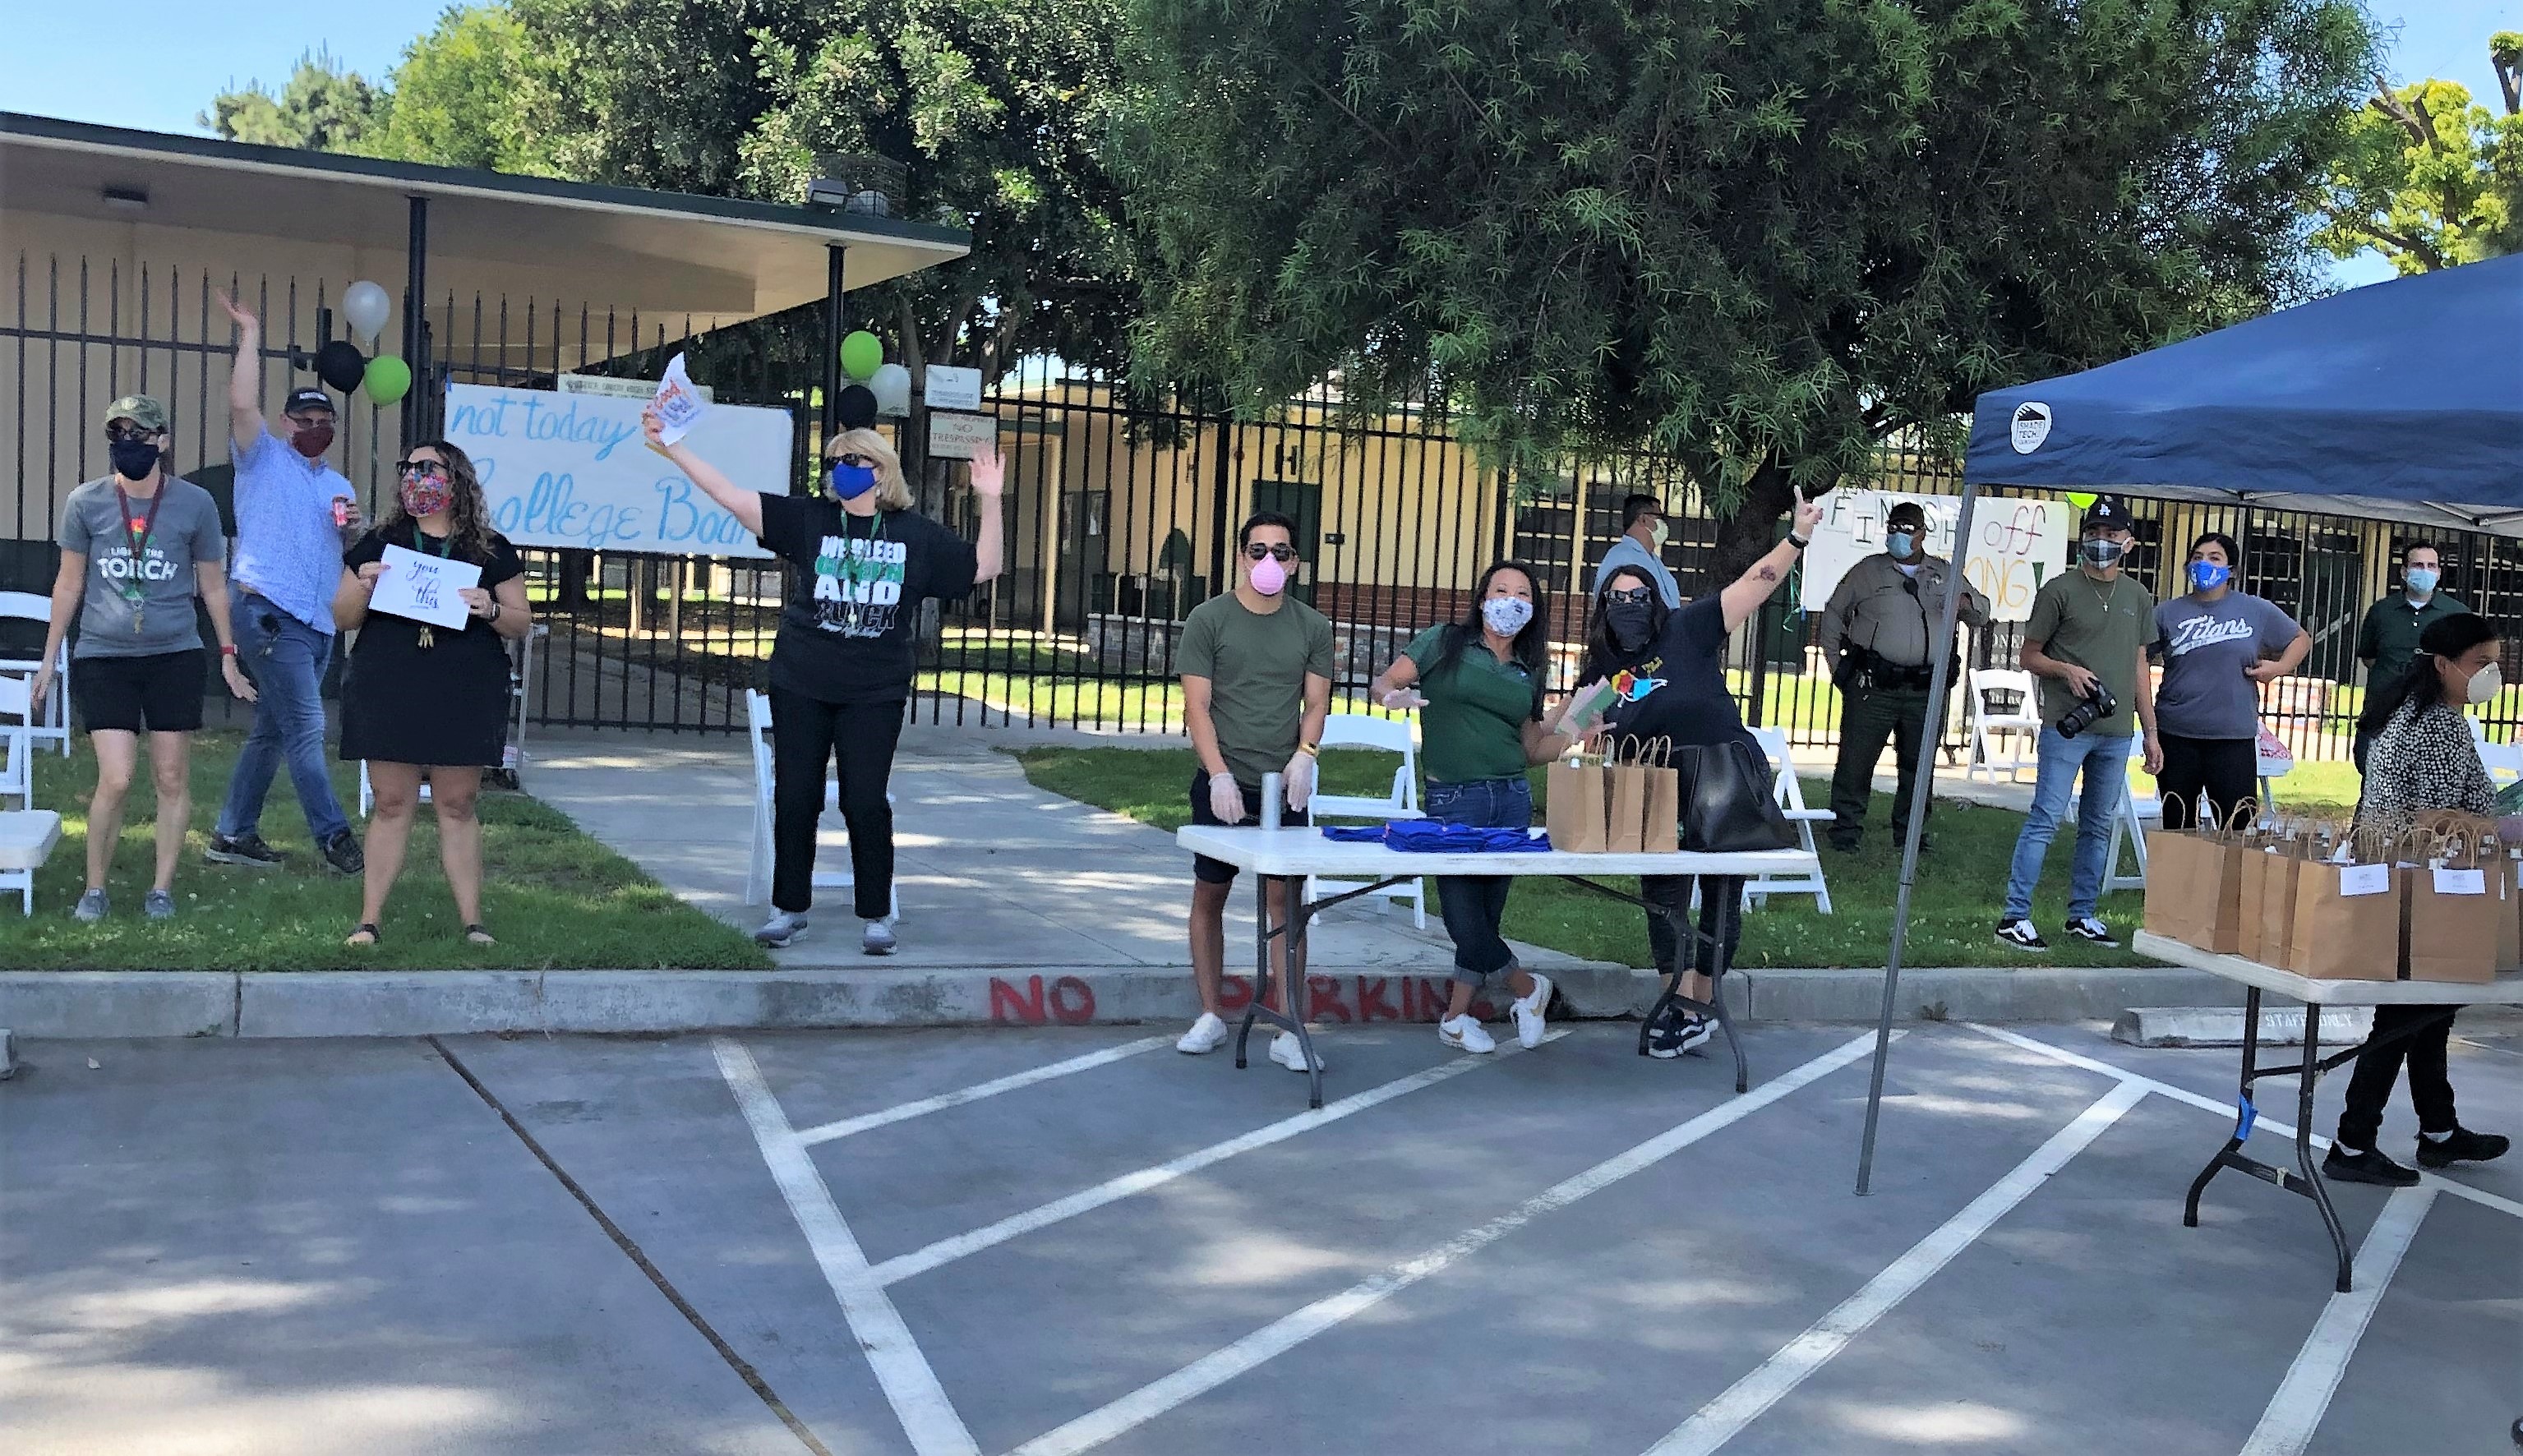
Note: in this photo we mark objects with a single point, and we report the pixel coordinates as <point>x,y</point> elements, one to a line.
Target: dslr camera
<point>2097,705</point>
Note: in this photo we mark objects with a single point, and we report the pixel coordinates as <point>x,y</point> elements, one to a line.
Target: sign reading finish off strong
<point>571,470</point>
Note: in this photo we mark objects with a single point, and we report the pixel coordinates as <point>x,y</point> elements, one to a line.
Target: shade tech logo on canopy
<point>2032,427</point>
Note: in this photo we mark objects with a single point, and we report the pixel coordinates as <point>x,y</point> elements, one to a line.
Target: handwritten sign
<point>571,470</point>
<point>424,587</point>
<point>679,406</point>
<point>950,388</point>
<point>2016,545</point>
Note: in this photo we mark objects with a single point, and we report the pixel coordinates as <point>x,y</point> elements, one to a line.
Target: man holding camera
<point>1877,632</point>
<point>2086,641</point>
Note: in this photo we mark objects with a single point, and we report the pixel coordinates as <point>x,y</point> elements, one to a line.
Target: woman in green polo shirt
<point>1478,686</point>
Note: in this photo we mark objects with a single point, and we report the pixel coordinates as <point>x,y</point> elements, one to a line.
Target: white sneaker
<point>1207,1034</point>
<point>782,928</point>
<point>877,939</point>
<point>1464,1034</point>
<point>1526,1013</point>
<point>1285,1051</point>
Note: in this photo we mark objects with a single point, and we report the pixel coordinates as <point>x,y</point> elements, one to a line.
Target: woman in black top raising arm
<point>861,560</point>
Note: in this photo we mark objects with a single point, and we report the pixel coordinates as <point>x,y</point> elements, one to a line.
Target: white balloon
<point>892,386</point>
<point>366,305</point>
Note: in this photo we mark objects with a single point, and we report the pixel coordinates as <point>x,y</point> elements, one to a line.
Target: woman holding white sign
<point>841,665</point>
<point>435,595</point>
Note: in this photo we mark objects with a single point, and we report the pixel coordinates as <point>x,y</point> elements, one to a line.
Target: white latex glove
<point>1298,779</point>
<point>1403,700</point>
<point>1225,800</point>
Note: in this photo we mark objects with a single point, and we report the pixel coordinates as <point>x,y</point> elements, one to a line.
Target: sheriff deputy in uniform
<point>1877,633</point>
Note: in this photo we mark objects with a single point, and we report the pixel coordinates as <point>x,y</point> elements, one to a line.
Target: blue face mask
<point>1902,545</point>
<point>2421,578</point>
<point>849,482</point>
<point>2208,576</point>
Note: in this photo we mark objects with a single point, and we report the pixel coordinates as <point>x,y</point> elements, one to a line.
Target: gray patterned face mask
<point>2103,553</point>
<point>1506,615</point>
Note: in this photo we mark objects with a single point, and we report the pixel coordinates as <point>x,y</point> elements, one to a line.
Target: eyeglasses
<point>1255,551</point>
<point>407,469</point>
<point>122,430</point>
<point>1635,596</point>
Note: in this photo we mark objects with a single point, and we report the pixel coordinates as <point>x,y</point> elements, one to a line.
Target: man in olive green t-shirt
<point>1257,677</point>
<point>2089,630</point>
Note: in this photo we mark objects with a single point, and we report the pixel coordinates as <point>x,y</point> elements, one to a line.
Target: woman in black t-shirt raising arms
<point>1668,673</point>
<point>861,561</point>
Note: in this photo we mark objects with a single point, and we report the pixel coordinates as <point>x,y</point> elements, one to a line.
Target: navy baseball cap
<point>2108,512</point>
<point>309,397</point>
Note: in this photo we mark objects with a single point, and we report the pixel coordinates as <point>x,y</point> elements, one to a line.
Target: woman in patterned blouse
<point>2422,760</point>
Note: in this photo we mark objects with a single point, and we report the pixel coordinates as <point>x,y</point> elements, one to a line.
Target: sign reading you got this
<point>572,471</point>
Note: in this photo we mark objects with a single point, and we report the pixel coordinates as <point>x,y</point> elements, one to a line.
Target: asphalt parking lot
<point>1064,1240</point>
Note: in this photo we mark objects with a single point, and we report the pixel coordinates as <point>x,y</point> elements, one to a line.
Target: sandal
<point>480,934</point>
<point>367,928</point>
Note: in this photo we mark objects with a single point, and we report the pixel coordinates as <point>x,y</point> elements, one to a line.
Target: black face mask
<point>133,459</point>
<point>1630,622</point>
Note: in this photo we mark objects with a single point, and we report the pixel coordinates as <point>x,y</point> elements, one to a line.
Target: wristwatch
<point>1797,542</point>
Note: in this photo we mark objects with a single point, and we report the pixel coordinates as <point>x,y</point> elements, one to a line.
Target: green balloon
<point>861,354</point>
<point>388,379</point>
<point>2081,499</point>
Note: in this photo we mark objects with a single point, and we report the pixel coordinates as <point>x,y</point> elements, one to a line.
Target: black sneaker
<point>2344,1166</point>
<point>342,852</point>
<point>2463,1147</point>
<point>245,849</point>
<point>2092,933</point>
<point>1678,1032</point>
<point>2021,935</point>
<point>1845,844</point>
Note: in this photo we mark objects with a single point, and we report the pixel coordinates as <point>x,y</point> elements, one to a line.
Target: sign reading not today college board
<point>571,470</point>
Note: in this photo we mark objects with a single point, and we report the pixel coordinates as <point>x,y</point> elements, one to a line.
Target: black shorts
<point>161,694</point>
<point>1218,872</point>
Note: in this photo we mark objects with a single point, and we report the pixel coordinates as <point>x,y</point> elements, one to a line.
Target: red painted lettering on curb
<point>1007,1004</point>
<point>1072,1001</point>
<point>1371,1005</point>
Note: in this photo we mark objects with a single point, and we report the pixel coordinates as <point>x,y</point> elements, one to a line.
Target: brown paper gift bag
<point>1644,813</point>
<point>2272,914</point>
<point>2175,859</point>
<point>2262,867</point>
<point>1576,798</point>
<point>2454,910</point>
<point>2347,923</point>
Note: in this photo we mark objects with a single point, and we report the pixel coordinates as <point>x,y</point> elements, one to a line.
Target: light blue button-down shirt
<point>288,551</point>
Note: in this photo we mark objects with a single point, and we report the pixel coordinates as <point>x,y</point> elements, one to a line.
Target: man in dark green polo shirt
<point>2388,640</point>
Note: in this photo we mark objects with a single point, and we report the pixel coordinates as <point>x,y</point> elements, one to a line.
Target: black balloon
<point>340,365</point>
<point>856,407</point>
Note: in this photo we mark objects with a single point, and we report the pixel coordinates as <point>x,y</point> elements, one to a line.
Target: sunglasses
<point>1255,551</point>
<point>1633,594</point>
<point>861,461</point>
<point>120,430</point>
<point>409,469</point>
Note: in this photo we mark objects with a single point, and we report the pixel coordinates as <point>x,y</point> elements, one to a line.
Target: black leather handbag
<point>1728,806</point>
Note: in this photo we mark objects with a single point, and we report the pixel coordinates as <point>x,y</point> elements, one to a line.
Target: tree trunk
<point>1746,535</point>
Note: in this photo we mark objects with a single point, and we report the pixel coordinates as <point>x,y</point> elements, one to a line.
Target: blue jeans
<point>2104,759</point>
<point>1473,904</point>
<point>286,659</point>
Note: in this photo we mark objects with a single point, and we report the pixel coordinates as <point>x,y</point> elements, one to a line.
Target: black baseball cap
<point>2108,512</point>
<point>1906,513</point>
<point>309,397</point>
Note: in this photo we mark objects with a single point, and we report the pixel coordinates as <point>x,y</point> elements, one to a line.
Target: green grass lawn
<point>1953,908</point>
<point>554,896</point>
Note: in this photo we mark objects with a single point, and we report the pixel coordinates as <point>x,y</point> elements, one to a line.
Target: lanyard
<point>137,540</point>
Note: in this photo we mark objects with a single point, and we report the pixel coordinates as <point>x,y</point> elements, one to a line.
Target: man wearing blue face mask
<point>2387,641</point>
<point>2219,644</point>
<point>1877,632</point>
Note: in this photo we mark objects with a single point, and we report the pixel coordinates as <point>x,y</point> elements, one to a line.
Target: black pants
<point>2224,771</point>
<point>807,735</point>
<point>2369,1085</point>
<point>1867,717</point>
<point>1670,894</point>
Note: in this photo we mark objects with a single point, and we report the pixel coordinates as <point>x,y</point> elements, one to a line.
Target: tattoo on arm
<point>1768,574</point>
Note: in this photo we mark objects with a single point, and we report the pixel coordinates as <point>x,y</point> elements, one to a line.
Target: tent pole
<point>1920,795</point>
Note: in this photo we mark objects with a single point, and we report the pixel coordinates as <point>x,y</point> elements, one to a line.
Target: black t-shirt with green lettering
<point>855,584</point>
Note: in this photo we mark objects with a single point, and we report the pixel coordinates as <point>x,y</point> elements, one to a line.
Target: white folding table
<point>1289,855</point>
<point>2256,978</point>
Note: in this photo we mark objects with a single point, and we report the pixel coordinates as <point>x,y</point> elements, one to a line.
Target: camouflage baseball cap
<point>140,409</point>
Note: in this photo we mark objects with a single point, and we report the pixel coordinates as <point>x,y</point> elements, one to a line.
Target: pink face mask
<point>1270,578</point>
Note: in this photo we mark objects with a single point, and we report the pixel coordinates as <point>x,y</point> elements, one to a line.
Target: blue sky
<point>167,57</point>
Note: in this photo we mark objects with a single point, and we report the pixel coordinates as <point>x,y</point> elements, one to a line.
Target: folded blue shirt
<point>1428,836</point>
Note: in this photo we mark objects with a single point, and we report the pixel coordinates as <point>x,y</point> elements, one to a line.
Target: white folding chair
<point>18,772</point>
<point>54,722</point>
<point>1989,720</point>
<point>1790,794</point>
<point>27,834</point>
<point>757,869</point>
<point>1386,735</point>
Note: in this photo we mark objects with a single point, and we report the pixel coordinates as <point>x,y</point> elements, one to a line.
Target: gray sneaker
<point>159,905</point>
<point>91,908</point>
<point>877,939</point>
<point>782,928</point>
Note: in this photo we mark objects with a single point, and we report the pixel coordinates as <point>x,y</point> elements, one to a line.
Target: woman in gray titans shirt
<point>2217,644</point>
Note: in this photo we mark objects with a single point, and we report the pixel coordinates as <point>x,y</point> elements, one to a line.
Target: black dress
<point>443,704</point>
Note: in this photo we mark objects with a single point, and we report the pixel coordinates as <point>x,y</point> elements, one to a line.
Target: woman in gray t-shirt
<point>2218,645</point>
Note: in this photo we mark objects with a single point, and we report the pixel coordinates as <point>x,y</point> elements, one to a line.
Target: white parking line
<point>1113,1191</point>
<point>927,1417</point>
<point>1741,1403</point>
<point>1212,1370</point>
<point>827,1132</point>
<point>2479,1195</point>
<point>2295,1412</point>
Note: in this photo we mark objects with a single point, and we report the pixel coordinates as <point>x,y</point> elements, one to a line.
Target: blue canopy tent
<point>2400,401</point>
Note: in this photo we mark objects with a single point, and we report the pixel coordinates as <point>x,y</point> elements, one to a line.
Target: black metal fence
<point>1119,519</point>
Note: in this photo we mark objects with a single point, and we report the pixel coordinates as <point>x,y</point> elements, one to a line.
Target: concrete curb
<point>356,1004</point>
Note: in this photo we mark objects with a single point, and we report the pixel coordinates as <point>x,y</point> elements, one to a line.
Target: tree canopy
<point>321,108</point>
<point>2430,179</point>
<point>1763,235</point>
